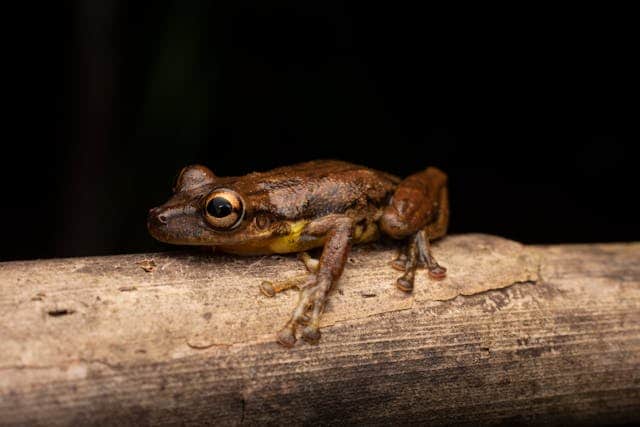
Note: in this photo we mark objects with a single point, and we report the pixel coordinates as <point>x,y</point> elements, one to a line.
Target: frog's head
<point>204,210</point>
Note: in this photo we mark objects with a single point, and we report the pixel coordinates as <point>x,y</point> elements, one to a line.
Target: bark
<point>514,334</point>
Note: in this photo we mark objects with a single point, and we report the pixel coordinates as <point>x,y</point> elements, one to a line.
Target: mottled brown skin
<point>324,203</point>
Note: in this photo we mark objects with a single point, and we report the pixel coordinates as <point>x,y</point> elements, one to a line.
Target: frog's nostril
<point>158,215</point>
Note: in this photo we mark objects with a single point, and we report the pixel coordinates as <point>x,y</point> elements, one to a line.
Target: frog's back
<point>317,188</point>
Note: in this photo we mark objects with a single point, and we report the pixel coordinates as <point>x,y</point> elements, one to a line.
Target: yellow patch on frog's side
<point>367,233</point>
<point>293,241</point>
<point>276,243</point>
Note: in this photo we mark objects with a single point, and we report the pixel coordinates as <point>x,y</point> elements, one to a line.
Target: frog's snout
<point>157,223</point>
<point>172,223</point>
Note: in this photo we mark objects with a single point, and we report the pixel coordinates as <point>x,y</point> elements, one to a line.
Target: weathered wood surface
<point>515,334</point>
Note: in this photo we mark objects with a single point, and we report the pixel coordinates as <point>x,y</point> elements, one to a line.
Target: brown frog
<point>324,203</point>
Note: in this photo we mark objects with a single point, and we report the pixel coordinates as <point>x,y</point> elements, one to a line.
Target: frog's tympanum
<point>325,203</point>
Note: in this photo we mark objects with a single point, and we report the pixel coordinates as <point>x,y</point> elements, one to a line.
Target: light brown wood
<point>515,334</point>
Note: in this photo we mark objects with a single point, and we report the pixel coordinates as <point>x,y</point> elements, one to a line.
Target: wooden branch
<point>514,334</point>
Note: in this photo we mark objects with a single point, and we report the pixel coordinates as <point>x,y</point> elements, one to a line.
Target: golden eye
<point>223,209</point>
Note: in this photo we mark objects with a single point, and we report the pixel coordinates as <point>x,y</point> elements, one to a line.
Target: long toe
<point>287,337</point>
<point>438,272</point>
<point>311,334</point>
<point>266,287</point>
<point>404,284</point>
<point>399,264</point>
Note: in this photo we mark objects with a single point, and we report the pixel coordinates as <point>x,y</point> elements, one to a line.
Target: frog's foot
<point>337,231</point>
<point>436,271</point>
<point>405,282</point>
<point>418,255</point>
<point>270,289</point>
<point>313,297</point>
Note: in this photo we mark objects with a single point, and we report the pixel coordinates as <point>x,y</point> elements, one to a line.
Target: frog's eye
<point>223,209</point>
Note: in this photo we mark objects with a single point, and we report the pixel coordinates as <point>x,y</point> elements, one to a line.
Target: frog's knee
<point>394,225</point>
<point>415,203</point>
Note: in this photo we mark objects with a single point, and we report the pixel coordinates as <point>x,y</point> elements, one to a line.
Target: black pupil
<point>219,207</point>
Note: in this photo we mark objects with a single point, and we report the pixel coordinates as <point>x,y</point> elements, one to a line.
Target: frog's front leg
<point>337,231</point>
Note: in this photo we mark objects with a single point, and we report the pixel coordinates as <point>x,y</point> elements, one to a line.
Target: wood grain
<point>515,334</point>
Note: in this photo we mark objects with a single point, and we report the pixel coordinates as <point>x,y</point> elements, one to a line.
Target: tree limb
<point>514,334</point>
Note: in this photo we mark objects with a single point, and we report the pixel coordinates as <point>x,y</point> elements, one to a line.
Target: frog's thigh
<point>416,204</point>
<point>419,209</point>
<point>438,227</point>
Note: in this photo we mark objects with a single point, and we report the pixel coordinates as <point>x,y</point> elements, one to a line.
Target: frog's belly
<point>295,241</point>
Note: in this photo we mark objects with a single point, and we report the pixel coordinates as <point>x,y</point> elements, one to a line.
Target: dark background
<point>532,113</point>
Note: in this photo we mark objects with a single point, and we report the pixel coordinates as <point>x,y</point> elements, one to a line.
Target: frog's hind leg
<point>418,212</point>
<point>337,230</point>
<point>436,271</point>
<point>432,231</point>
<point>405,282</point>
<point>418,254</point>
<point>270,288</point>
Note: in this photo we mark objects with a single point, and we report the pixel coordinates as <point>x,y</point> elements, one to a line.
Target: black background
<point>532,113</point>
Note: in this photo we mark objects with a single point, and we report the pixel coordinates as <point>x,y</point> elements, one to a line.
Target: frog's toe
<point>267,288</point>
<point>270,288</point>
<point>437,272</point>
<point>399,263</point>
<point>313,295</point>
<point>311,334</point>
<point>287,336</point>
<point>303,319</point>
<point>405,284</point>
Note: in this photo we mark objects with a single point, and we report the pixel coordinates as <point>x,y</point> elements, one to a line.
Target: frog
<point>321,205</point>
